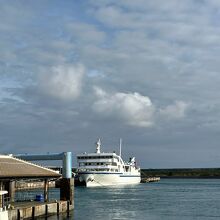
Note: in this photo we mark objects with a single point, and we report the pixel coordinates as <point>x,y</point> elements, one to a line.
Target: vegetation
<point>182,173</point>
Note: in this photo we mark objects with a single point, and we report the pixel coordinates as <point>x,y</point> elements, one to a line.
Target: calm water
<point>169,199</point>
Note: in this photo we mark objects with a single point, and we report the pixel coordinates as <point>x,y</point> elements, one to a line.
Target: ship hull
<point>91,179</point>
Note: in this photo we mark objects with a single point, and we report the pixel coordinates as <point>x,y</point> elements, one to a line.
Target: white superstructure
<point>106,169</point>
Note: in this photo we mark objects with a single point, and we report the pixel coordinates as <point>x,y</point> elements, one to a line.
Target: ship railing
<point>97,167</point>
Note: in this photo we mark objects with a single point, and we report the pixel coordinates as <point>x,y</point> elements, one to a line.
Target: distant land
<point>182,173</point>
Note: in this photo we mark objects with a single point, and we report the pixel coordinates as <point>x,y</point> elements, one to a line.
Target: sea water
<point>169,199</point>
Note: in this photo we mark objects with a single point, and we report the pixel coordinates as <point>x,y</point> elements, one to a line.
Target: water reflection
<point>63,216</point>
<point>169,199</point>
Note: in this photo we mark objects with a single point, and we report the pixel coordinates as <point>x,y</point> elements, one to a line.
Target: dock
<point>150,179</point>
<point>31,210</point>
<point>14,171</point>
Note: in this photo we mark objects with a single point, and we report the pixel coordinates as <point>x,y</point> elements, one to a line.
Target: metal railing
<point>30,195</point>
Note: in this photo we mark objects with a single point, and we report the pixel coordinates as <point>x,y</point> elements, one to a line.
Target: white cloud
<point>133,108</point>
<point>174,111</point>
<point>64,82</point>
<point>86,33</point>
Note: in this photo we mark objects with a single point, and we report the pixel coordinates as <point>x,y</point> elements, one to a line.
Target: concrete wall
<point>40,210</point>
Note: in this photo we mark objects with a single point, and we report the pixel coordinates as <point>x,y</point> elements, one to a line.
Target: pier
<point>14,170</point>
<point>30,210</point>
<point>150,179</point>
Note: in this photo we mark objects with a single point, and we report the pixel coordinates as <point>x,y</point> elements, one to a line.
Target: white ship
<point>106,169</point>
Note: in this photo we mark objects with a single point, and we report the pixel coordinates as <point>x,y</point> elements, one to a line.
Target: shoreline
<point>207,173</point>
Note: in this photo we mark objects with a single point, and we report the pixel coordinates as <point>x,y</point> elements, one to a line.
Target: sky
<point>144,71</point>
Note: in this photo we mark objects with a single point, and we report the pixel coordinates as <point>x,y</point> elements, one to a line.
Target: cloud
<point>165,50</point>
<point>86,33</point>
<point>63,82</point>
<point>174,111</point>
<point>133,108</point>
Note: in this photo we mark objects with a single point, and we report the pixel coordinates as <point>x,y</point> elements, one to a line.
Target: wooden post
<point>18,214</point>
<point>58,208</point>
<point>12,191</point>
<point>67,189</point>
<point>1,197</point>
<point>33,212</point>
<point>68,208</point>
<point>46,210</point>
<point>46,186</point>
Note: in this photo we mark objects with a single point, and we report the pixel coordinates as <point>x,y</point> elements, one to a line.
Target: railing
<point>32,184</point>
<point>6,202</point>
<point>30,195</point>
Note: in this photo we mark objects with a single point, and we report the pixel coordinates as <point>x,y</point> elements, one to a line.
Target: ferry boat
<point>106,169</point>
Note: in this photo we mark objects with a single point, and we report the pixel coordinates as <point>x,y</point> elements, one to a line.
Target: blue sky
<point>143,71</point>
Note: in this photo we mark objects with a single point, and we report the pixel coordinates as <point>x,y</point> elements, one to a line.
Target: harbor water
<point>169,199</point>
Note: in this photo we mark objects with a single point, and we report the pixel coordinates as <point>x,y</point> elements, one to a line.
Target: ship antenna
<point>120,144</point>
<point>98,146</point>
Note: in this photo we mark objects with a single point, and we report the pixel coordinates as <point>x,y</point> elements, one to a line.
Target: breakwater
<point>182,173</point>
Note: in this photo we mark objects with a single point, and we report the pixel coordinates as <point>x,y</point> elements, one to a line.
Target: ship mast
<point>120,144</point>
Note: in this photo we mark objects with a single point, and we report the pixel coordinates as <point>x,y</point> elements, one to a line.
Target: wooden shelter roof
<point>11,167</point>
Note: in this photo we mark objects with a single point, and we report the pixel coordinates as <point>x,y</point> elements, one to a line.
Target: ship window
<point>97,163</point>
<point>101,163</point>
<point>114,164</point>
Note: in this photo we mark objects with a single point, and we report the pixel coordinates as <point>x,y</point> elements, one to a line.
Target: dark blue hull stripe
<point>128,176</point>
<point>97,173</point>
